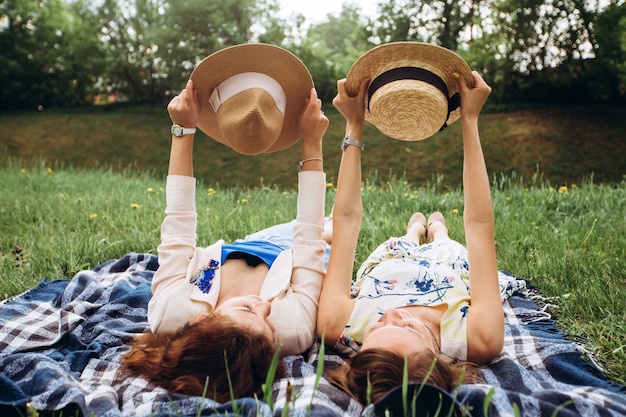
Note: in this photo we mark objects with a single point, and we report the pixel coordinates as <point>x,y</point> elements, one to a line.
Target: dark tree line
<point>63,53</point>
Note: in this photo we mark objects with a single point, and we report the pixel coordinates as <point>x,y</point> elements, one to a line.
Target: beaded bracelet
<point>301,163</point>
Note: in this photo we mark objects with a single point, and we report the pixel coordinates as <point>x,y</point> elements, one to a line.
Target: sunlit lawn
<point>569,241</point>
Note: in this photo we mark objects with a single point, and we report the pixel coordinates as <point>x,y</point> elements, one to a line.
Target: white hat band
<point>244,81</point>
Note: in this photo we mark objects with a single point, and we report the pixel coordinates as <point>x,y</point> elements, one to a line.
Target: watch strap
<point>348,141</point>
<point>178,130</point>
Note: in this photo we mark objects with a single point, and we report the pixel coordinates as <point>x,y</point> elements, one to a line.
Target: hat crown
<point>420,81</point>
<point>250,121</point>
<point>225,73</point>
<point>413,110</point>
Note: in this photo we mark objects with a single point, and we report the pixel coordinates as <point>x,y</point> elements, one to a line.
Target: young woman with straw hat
<point>413,292</point>
<point>219,314</point>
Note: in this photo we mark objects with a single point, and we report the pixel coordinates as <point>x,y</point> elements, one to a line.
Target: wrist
<point>354,130</point>
<point>350,141</point>
<point>178,130</point>
<point>311,151</point>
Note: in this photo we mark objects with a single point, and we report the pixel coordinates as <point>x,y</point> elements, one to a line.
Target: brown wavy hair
<point>383,370</point>
<point>204,352</point>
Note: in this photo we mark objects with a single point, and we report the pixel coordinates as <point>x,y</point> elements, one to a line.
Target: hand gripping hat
<point>251,96</point>
<point>413,90</point>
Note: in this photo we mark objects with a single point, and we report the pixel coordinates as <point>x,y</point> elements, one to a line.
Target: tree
<point>37,65</point>
<point>608,75</point>
<point>439,22</point>
<point>329,48</point>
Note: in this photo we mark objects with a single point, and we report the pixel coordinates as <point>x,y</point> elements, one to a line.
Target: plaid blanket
<point>60,345</point>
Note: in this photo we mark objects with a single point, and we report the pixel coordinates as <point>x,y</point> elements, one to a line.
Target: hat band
<point>418,74</point>
<point>245,81</point>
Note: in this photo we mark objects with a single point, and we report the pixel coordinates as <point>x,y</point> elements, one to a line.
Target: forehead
<point>250,320</point>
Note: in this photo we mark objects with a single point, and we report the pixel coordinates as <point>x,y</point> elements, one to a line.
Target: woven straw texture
<point>276,62</point>
<point>409,110</point>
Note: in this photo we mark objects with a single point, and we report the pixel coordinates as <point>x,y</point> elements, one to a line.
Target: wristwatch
<point>348,141</point>
<point>178,130</point>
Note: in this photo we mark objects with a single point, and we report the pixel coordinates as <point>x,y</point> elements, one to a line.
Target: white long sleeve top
<point>292,284</point>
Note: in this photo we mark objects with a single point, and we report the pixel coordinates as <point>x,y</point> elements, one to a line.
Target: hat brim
<point>429,401</point>
<point>446,64</point>
<point>276,62</point>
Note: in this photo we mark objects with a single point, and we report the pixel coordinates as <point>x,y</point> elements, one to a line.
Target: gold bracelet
<point>301,163</point>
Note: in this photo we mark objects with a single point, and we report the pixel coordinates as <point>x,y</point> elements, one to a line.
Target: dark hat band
<point>418,74</point>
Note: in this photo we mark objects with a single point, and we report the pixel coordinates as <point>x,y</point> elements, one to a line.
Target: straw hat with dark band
<point>251,96</point>
<point>413,91</point>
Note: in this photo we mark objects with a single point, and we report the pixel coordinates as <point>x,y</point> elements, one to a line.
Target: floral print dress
<point>401,273</point>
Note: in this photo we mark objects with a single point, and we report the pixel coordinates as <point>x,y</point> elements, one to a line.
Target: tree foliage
<point>56,53</point>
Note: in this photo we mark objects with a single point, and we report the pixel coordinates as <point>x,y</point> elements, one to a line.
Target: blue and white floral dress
<point>401,273</point>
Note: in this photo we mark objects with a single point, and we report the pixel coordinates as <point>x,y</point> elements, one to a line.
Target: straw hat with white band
<point>251,96</point>
<point>413,91</point>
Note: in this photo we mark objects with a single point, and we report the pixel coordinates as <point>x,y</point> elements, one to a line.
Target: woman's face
<point>399,331</point>
<point>250,311</point>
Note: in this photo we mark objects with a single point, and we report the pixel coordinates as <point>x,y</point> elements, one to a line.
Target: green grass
<point>568,241</point>
<point>566,145</point>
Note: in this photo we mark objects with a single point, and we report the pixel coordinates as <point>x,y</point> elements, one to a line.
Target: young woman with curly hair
<point>225,310</point>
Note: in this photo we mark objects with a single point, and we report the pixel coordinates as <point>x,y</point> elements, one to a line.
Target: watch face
<point>177,130</point>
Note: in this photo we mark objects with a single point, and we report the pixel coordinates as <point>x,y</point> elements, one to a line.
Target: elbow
<point>349,216</point>
<point>325,332</point>
<point>486,350</point>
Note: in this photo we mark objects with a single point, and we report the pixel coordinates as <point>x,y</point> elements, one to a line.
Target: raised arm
<point>308,247</point>
<point>485,317</point>
<point>166,312</point>
<point>184,111</point>
<point>335,304</point>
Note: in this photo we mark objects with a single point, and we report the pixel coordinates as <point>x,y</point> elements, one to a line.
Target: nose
<point>262,308</point>
<point>392,316</point>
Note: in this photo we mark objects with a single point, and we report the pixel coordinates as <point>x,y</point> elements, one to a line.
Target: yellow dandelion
<point>573,186</point>
<point>563,189</point>
<point>49,170</point>
<point>244,200</point>
<point>93,215</point>
<point>406,194</point>
<point>23,170</point>
<point>446,195</point>
<point>149,190</point>
<point>285,192</point>
<point>508,199</point>
<point>405,182</point>
<point>455,211</point>
<point>329,185</point>
<point>369,187</point>
<point>134,206</point>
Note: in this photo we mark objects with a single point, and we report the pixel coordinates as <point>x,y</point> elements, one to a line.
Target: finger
<point>363,86</point>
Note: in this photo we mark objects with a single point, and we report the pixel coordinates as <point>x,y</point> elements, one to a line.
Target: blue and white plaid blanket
<point>60,345</point>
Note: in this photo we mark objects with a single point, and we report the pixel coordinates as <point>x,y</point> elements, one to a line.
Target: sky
<point>316,10</point>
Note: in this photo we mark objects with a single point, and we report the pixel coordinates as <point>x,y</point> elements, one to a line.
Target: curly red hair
<point>204,352</point>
